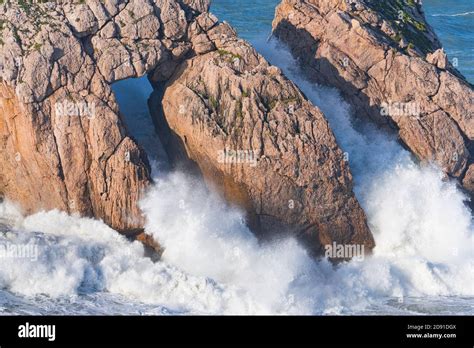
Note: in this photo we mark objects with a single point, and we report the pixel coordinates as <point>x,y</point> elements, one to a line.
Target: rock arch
<point>61,64</point>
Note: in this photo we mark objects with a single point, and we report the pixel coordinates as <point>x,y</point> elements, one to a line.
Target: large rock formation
<point>64,144</point>
<point>260,141</point>
<point>389,64</point>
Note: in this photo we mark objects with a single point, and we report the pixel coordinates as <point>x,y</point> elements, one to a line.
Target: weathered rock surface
<point>64,144</point>
<point>390,66</point>
<point>260,141</point>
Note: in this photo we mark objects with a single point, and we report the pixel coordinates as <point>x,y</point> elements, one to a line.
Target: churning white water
<point>423,262</point>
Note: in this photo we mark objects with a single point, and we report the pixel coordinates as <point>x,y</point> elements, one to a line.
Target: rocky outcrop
<point>249,130</point>
<point>256,137</point>
<point>390,66</point>
<point>63,142</point>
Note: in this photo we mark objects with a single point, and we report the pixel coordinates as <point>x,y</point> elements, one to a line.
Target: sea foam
<point>213,264</point>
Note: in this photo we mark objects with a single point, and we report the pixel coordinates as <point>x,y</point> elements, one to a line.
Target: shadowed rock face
<point>390,66</point>
<point>257,139</point>
<point>65,146</point>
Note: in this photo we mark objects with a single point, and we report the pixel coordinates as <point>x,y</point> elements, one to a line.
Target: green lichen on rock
<point>229,55</point>
<point>402,15</point>
<point>213,102</point>
<point>239,109</point>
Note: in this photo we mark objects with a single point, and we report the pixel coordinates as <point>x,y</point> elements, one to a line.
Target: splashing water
<point>423,262</point>
<point>415,216</point>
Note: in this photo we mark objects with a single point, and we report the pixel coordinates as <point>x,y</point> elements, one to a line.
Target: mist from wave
<point>423,262</point>
<point>213,264</point>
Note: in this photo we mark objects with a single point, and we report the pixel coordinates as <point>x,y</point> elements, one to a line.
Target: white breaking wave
<point>84,256</point>
<point>213,264</point>
<point>418,219</point>
<point>453,15</point>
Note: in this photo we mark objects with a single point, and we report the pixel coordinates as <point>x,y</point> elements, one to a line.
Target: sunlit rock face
<point>63,142</point>
<point>388,63</point>
<point>217,103</point>
<point>256,137</point>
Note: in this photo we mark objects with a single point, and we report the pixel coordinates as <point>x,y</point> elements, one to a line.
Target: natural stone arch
<point>65,144</point>
<point>90,165</point>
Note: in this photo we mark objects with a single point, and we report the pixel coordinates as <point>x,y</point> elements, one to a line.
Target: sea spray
<point>204,236</point>
<point>80,256</point>
<point>213,264</point>
<point>410,203</point>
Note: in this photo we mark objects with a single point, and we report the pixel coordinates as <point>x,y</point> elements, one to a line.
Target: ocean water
<point>453,21</point>
<point>423,262</point>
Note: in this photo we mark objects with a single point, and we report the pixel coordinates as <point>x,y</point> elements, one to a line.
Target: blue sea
<point>423,263</point>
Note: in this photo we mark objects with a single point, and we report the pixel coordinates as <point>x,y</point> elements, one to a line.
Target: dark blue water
<point>251,18</point>
<point>454,24</point>
<point>453,21</point>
